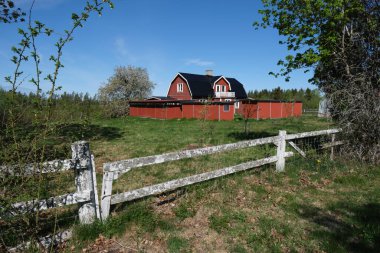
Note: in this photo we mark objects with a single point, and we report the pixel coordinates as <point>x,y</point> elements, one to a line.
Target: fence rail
<point>111,171</point>
<point>310,110</point>
<point>174,184</point>
<point>52,202</point>
<point>31,169</point>
<point>86,196</point>
<point>311,134</point>
<point>126,165</point>
<point>83,164</point>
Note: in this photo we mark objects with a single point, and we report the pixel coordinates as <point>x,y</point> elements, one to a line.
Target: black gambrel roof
<point>238,88</point>
<point>201,86</point>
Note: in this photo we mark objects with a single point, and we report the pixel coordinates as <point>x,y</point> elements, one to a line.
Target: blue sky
<point>165,37</point>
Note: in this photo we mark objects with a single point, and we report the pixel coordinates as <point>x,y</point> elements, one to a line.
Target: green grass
<point>185,210</point>
<point>139,214</point>
<point>302,209</point>
<point>315,205</point>
<point>262,211</point>
<point>134,137</point>
<point>177,244</point>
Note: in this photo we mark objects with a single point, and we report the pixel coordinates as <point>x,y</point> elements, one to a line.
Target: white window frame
<point>223,88</point>
<point>217,88</point>
<point>237,105</point>
<point>224,106</point>
<point>179,87</point>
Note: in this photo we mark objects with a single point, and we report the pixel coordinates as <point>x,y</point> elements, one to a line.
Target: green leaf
<point>74,16</point>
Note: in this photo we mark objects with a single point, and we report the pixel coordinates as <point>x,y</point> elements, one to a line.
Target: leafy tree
<point>339,40</point>
<point>127,83</point>
<point>29,125</point>
<point>277,93</point>
<point>9,13</point>
<point>308,94</point>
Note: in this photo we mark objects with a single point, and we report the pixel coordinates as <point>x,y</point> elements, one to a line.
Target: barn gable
<point>203,86</point>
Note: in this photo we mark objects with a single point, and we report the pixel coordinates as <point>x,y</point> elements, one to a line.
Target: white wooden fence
<point>86,195</point>
<point>111,171</point>
<point>83,164</point>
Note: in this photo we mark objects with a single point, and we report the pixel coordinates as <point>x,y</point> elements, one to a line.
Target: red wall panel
<point>275,109</point>
<point>173,112</point>
<point>270,109</point>
<point>133,111</point>
<point>199,111</point>
<point>248,111</point>
<point>263,110</point>
<point>187,111</point>
<point>297,109</point>
<point>287,110</point>
<point>259,110</point>
<point>229,115</point>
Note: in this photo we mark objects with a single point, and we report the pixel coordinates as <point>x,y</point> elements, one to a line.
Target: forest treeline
<point>65,107</point>
<point>310,98</point>
<point>74,106</point>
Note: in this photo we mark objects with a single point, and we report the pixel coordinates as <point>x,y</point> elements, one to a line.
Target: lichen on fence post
<point>106,194</point>
<point>95,195</point>
<point>332,148</point>
<point>84,180</point>
<point>281,146</point>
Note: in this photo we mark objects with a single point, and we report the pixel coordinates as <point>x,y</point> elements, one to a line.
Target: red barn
<point>210,97</point>
<point>175,109</point>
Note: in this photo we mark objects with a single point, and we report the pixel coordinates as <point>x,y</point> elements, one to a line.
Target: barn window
<point>218,88</point>
<point>223,88</point>
<point>226,108</point>
<point>237,105</point>
<point>180,87</point>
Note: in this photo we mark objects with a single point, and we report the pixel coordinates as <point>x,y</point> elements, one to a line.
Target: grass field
<point>137,137</point>
<point>117,139</point>
<point>315,206</point>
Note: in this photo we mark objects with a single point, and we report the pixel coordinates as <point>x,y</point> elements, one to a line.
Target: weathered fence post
<point>281,145</point>
<point>96,197</point>
<point>106,194</point>
<point>84,181</point>
<point>332,148</point>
